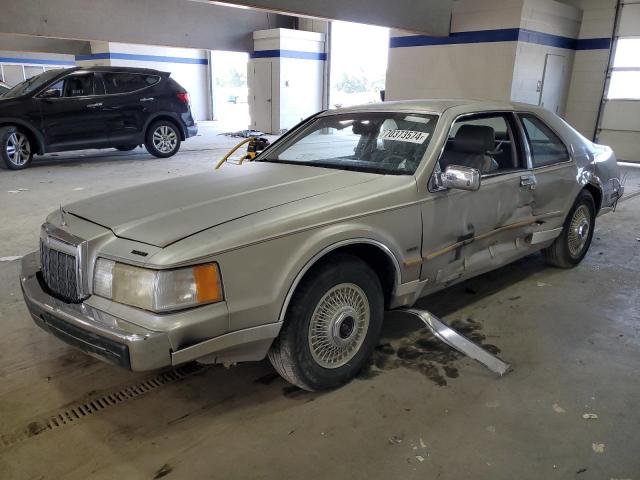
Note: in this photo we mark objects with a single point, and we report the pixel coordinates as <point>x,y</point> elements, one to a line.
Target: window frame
<point>104,83</point>
<point>525,138</point>
<point>520,144</point>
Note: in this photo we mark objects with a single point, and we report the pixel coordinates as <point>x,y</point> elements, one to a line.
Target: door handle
<point>94,105</point>
<point>528,181</point>
<point>148,99</point>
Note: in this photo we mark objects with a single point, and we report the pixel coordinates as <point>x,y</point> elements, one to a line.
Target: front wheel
<point>332,325</point>
<point>16,151</point>
<point>572,245</point>
<point>163,139</point>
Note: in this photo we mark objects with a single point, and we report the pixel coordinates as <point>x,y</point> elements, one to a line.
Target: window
<point>385,143</point>
<point>625,77</point>
<point>78,85</point>
<point>485,142</point>
<point>127,82</point>
<point>546,147</point>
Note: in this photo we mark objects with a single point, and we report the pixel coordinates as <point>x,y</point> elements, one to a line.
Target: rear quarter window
<point>128,82</point>
<point>546,147</point>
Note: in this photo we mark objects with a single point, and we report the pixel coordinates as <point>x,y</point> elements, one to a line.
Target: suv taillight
<point>184,98</point>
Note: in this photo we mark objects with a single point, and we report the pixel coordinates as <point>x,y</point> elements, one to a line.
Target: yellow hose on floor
<point>233,150</point>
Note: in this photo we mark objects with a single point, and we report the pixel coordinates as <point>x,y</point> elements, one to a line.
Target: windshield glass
<point>386,143</point>
<point>32,84</point>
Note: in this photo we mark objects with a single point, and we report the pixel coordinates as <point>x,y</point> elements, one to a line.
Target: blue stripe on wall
<point>502,35</point>
<point>141,58</point>
<point>36,61</point>
<point>289,54</point>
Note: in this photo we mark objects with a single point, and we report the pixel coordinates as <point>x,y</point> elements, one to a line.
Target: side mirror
<point>53,93</point>
<point>460,178</point>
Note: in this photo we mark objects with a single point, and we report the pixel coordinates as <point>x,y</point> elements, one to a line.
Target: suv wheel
<point>572,245</point>
<point>15,148</point>
<point>163,139</point>
<point>332,325</point>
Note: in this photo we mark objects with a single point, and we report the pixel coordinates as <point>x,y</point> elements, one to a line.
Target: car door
<point>130,100</point>
<point>71,113</point>
<point>554,169</point>
<point>468,232</point>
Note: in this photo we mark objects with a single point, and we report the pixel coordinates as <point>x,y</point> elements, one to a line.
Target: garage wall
<point>590,64</point>
<point>188,67</point>
<point>16,67</point>
<point>496,51</point>
<point>552,27</point>
<point>477,60</point>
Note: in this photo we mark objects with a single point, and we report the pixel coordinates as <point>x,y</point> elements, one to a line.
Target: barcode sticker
<point>404,136</point>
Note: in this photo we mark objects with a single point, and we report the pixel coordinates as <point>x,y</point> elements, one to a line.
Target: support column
<point>286,78</point>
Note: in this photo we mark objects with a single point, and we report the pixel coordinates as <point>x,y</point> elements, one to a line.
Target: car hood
<point>165,212</point>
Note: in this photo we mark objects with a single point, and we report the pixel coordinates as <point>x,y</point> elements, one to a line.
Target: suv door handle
<point>528,181</point>
<point>94,105</point>
<point>148,99</point>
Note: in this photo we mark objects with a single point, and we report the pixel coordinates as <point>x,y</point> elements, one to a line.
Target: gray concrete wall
<point>425,16</point>
<point>176,23</point>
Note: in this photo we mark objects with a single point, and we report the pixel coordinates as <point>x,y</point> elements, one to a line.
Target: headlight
<point>157,290</point>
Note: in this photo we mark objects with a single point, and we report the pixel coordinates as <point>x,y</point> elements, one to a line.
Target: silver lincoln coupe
<point>297,254</point>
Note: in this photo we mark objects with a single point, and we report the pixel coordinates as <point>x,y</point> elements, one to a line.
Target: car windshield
<point>32,84</point>
<point>386,143</point>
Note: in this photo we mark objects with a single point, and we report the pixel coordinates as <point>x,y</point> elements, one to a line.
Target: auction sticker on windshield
<point>404,136</point>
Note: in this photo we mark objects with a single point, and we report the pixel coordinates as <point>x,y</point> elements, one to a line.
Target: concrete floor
<point>573,338</point>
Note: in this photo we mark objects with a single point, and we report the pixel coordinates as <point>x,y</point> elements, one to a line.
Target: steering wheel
<point>395,159</point>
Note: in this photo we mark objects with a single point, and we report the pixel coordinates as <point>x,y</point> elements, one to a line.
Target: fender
<point>327,250</point>
<point>174,116</point>
<point>40,142</point>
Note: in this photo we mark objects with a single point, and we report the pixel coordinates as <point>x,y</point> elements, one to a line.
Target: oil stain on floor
<point>423,352</point>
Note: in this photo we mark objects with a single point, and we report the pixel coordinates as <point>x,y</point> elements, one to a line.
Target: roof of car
<point>439,105</point>
<point>121,69</point>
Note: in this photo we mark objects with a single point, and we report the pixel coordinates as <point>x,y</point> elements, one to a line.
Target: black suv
<point>97,107</point>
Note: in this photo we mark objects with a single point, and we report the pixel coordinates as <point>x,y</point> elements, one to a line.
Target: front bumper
<point>94,331</point>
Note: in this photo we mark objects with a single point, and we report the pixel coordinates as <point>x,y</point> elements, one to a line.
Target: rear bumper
<point>95,332</point>
<point>192,131</point>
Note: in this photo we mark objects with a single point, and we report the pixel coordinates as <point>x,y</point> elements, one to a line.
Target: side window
<point>546,147</point>
<point>485,142</point>
<point>80,85</point>
<point>127,82</point>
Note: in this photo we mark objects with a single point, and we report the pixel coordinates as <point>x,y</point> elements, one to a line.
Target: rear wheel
<point>572,245</point>
<point>126,148</point>
<point>163,139</point>
<point>332,325</point>
<point>16,150</point>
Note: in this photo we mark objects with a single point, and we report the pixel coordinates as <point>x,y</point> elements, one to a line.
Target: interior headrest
<point>474,139</point>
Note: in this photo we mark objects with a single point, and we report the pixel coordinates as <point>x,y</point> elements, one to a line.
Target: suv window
<point>546,147</point>
<point>127,82</point>
<point>76,85</point>
<point>485,142</point>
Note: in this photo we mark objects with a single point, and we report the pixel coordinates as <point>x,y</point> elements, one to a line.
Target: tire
<point>572,245</point>
<point>126,148</point>
<point>338,347</point>
<point>162,139</point>
<point>16,150</point>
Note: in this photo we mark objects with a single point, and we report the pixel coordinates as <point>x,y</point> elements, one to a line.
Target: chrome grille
<point>59,272</point>
<point>61,258</point>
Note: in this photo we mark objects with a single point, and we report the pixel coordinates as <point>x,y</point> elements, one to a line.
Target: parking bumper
<point>94,331</point>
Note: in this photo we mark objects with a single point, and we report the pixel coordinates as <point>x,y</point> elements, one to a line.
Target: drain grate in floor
<point>93,405</point>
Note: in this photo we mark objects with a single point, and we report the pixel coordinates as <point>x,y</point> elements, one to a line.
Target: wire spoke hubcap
<point>339,325</point>
<point>165,139</point>
<point>18,149</point>
<point>579,230</point>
